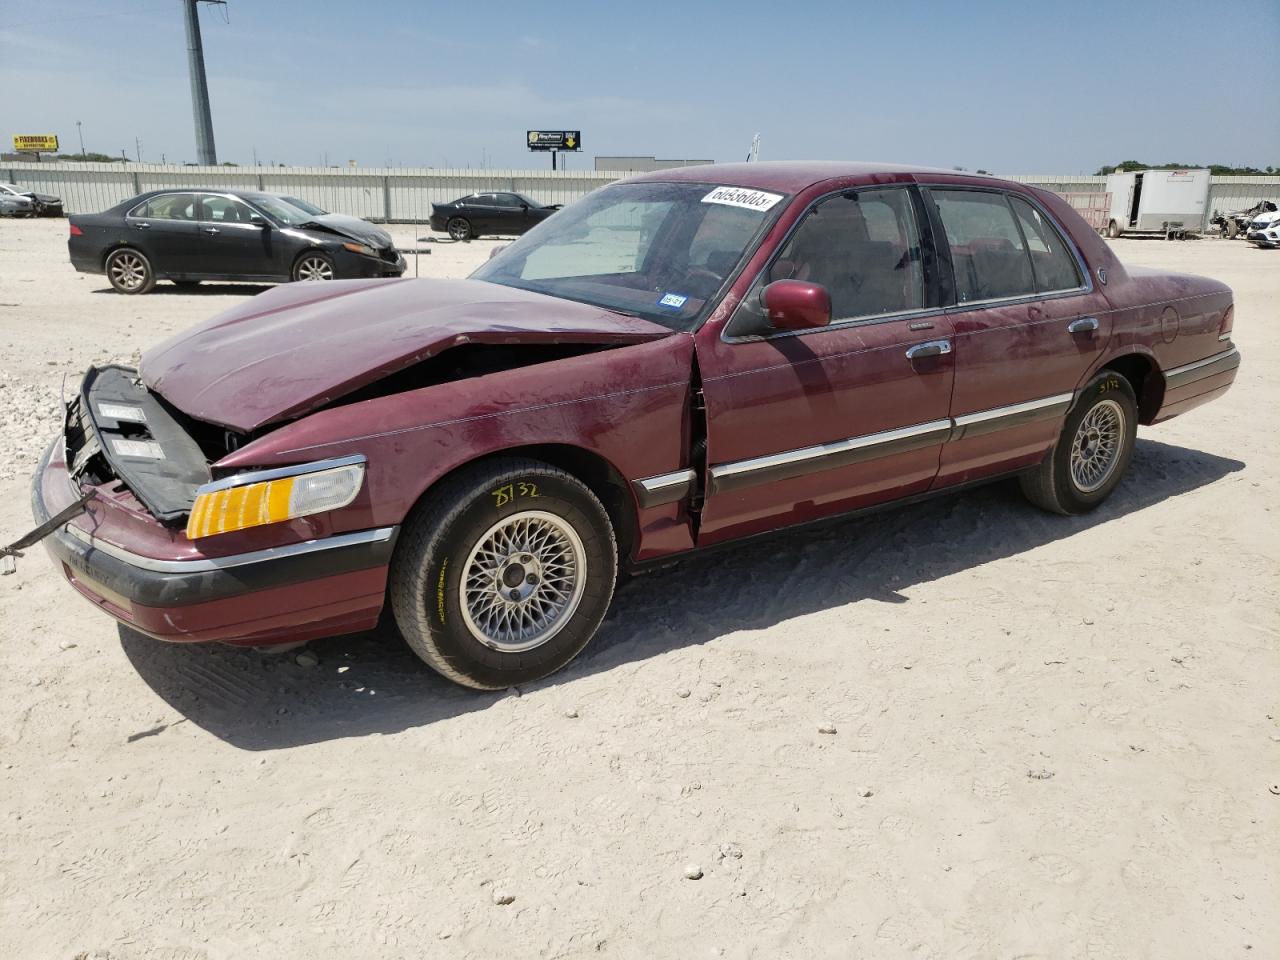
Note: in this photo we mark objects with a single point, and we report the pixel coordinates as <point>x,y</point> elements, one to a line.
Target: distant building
<point>642,164</point>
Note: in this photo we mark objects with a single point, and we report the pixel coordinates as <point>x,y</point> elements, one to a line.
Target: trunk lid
<point>302,346</point>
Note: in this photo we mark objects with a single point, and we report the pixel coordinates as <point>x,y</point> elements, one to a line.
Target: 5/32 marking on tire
<point>508,492</point>
<point>1111,383</point>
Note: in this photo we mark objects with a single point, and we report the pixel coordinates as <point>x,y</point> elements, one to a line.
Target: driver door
<point>807,424</point>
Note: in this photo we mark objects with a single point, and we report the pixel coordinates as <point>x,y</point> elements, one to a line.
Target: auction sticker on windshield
<point>742,197</point>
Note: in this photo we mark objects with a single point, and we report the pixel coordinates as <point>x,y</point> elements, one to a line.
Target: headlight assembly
<point>273,496</point>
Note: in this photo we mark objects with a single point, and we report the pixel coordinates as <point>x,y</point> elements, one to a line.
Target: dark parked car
<point>676,361</point>
<point>489,214</point>
<point>191,235</point>
<point>12,199</point>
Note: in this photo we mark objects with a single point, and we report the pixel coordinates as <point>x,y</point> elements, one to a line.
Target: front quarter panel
<point>628,406</point>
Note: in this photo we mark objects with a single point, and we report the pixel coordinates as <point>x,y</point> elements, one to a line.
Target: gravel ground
<point>962,729</point>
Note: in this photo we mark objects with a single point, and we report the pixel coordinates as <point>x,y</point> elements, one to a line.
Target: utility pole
<point>205,150</point>
<point>80,134</point>
<point>137,146</point>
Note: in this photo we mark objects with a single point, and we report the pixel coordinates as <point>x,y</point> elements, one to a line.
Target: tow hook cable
<point>9,554</point>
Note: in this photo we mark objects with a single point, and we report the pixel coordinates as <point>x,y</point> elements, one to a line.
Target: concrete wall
<point>405,194</point>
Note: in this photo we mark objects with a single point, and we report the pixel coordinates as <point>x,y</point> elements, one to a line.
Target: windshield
<point>661,251</point>
<point>302,205</point>
<point>284,210</point>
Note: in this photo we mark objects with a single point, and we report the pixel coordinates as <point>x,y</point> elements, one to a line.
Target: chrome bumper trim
<point>379,535</point>
<point>1208,367</point>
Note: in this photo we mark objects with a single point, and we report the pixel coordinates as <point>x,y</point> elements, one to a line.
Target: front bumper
<point>1260,238</point>
<point>354,266</point>
<point>280,594</point>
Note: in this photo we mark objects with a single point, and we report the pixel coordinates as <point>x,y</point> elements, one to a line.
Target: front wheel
<point>1092,452</point>
<point>503,574</point>
<point>313,266</point>
<point>130,271</point>
<point>1231,229</point>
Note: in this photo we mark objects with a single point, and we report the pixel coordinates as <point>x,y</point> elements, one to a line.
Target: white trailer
<point>1169,202</point>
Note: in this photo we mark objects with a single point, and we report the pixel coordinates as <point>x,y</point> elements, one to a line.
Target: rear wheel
<point>129,271</point>
<point>313,266</point>
<point>460,228</point>
<point>1113,230</point>
<point>1093,451</point>
<point>504,573</point>
<point>1231,228</point>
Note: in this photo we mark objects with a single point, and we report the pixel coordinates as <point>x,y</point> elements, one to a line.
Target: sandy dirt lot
<point>1055,737</point>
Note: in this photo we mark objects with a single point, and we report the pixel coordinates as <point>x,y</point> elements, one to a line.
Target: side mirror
<point>796,305</point>
<point>258,220</point>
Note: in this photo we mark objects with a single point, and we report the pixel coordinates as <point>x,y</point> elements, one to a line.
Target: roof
<point>790,176</point>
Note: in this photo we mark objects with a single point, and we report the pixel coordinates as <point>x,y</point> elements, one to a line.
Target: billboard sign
<point>35,142</point>
<point>555,139</point>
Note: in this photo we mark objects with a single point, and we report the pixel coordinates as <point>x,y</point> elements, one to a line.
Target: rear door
<point>165,228</point>
<point>234,243</point>
<point>802,425</point>
<point>1027,324</point>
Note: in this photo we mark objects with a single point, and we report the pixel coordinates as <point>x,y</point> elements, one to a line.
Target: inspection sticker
<point>673,300</point>
<point>742,197</point>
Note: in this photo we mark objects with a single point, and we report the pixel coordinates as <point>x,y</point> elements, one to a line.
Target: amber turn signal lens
<point>222,510</point>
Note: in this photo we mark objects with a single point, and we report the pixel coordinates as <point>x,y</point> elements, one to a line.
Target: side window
<point>1051,260</point>
<point>173,206</point>
<point>505,200</point>
<point>224,210</point>
<point>864,248</point>
<point>987,252</point>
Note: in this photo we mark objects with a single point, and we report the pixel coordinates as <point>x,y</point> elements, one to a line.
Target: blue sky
<point>1009,87</point>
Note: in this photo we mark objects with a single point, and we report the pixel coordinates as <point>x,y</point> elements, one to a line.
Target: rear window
<point>987,251</point>
<point>1052,262</point>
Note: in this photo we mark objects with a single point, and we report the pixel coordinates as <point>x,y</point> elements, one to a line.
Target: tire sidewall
<point>1107,385</point>
<point>438,584</point>
<point>466,234</point>
<point>148,282</point>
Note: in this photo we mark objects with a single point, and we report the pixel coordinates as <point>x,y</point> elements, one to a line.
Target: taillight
<point>76,231</point>
<point>1224,331</point>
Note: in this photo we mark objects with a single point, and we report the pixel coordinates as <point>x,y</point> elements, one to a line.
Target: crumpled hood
<point>355,228</point>
<point>301,346</point>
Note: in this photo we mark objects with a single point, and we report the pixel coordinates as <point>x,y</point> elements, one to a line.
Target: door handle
<point>933,348</point>
<point>211,230</point>
<point>142,226</point>
<point>1083,325</point>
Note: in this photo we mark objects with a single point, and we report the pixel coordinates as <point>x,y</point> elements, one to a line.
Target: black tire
<point>1053,485</point>
<point>1113,230</point>
<point>312,265</point>
<point>437,542</point>
<point>1231,228</point>
<point>460,228</point>
<point>129,271</point>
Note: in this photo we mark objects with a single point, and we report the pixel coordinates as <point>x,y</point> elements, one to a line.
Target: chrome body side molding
<point>664,488</point>
<point>793,463</point>
<point>1014,415</point>
<point>1208,367</point>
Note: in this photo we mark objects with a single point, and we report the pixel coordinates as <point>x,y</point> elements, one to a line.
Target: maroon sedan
<point>678,360</point>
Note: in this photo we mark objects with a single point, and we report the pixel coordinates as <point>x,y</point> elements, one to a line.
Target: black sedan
<point>489,214</point>
<point>191,235</point>
<point>28,203</point>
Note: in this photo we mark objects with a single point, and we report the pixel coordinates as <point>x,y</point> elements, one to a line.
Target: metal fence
<point>405,194</point>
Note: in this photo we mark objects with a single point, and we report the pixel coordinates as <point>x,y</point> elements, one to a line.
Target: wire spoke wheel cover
<point>1095,448</point>
<point>522,581</point>
<point>315,268</point>
<point>128,270</point>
